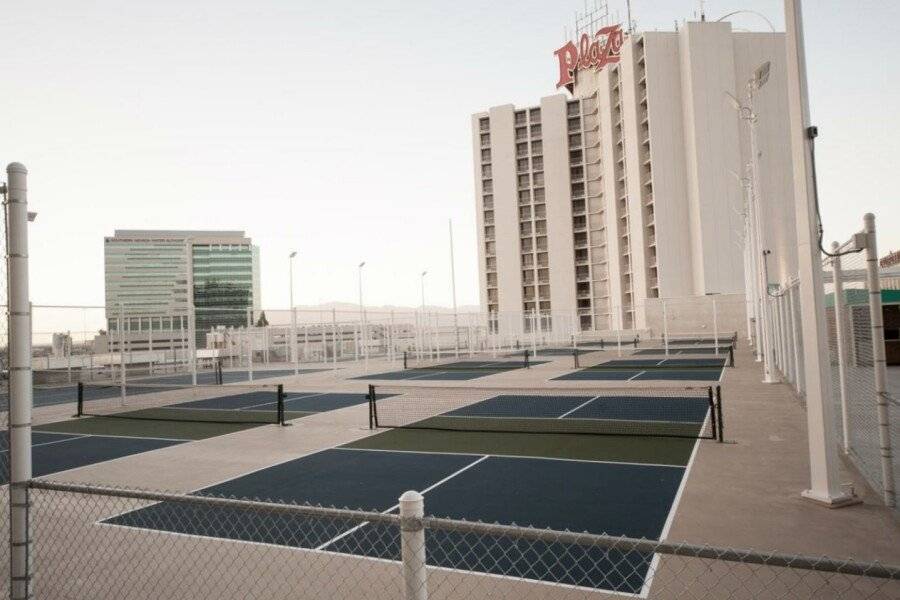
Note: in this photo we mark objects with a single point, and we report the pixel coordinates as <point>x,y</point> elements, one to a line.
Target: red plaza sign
<point>594,52</point>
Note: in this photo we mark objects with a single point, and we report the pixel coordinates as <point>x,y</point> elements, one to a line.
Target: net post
<point>575,356</point>
<point>280,416</point>
<point>527,354</point>
<point>720,423</point>
<point>713,418</point>
<point>80,401</point>
<point>374,405</point>
<point>635,341</point>
<point>405,358</point>
<point>731,356</point>
<point>601,343</point>
<point>371,413</point>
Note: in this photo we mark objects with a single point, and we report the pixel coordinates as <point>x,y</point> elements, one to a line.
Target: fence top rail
<point>721,553</point>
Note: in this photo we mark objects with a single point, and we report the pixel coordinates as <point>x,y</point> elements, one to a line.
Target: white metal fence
<point>868,433</point>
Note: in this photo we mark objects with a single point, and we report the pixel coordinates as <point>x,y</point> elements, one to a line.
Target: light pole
<point>293,316</point>
<point>362,318</point>
<point>424,320</point>
<point>747,114</point>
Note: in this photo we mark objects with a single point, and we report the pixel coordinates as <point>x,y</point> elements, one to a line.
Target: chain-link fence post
<point>20,383</point>
<point>840,334</point>
<point>881,395</point>
<point>412,545</point>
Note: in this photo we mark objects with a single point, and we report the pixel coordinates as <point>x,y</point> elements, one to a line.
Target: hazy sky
<point>342,130</point>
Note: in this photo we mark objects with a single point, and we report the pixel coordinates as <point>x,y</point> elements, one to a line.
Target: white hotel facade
<point>595,206</point>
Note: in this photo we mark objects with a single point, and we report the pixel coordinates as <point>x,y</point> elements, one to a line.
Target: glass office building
<point>152,275</point>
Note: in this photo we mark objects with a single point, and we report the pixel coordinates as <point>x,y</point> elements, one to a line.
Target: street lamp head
<point>293,254</point>
<point>424,273</point>
<point>362,264</point>
<point>761,75</point>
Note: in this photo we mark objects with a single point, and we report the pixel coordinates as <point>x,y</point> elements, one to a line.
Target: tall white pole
<point>823,456</point>
<point>840,335</point>
<point>20,382</point>
<point>294,357</point>
<point>364,333</point>
<point>192,311</point>
<point>453,289</point>
<point>876,315</point>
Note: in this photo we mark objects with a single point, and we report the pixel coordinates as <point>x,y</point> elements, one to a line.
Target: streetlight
<point>293,316</point>
<point>749,116</point>
<point>362,316</point>
<point>424,321</point>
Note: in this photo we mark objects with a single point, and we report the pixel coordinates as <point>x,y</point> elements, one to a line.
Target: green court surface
<point>632,449</point>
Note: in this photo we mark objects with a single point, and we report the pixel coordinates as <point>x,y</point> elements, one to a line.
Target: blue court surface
<point>684,350</point>
<point>599,497</point>
<point>54,452</point>
<point>80,442</point>
<point>636,369</point>
<point>452,371</point>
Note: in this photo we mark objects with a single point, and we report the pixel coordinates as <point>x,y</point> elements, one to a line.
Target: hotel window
<point>485,139</point>
<point>520,117</point>
<point>524,180</point>
<point>486,155</point>
<point>521,133</point>
<point>535,115</point>
<point>522,149</point>
<point>537,163</point>
<point>575,140</point>
<point>524,196</point>
<point>484,124</point>
<point>522,165</point>
<point>537,147</point>
<point>535,131</point>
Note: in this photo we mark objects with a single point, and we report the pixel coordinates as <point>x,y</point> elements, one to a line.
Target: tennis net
<point>480,361</point>
<point>227,404</point>
<point>685,412</point>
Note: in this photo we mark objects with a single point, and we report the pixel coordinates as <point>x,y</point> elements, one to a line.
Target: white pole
<point>840,341</point>
<point>878,358</point>
<point>795,341</point>
<point>20,383</point>
<point>334,340</point>
<point>453,288</point>
<point>715,324</point>
<point>665,328</point>
<point>364,335</point>
<point>122,373</point>
<point>293,343</point>
<point>412,546</point>
<point>823,459</point>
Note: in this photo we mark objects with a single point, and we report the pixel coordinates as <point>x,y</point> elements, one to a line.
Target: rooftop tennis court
<point>453,369</point>
<point>109,430</point>
<point>638,369</point>
<point>620,484</point>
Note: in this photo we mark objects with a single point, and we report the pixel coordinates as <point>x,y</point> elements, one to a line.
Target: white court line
<point>396,506</point>
<point>583,404</point>
<point>521,456</point>
<point>68,439</point>
<point>664,534</point>
<point>636,376</point>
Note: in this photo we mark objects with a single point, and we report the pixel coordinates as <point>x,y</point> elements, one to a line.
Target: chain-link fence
<point>96,542</point>
<point>861,399</point>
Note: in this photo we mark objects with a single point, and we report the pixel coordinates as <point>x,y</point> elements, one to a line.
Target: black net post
<point>373,408</point>
<point>721,426</point>
<point>220,379</point>
<point>713,418</point>
<point>404,360</point>
<point>575,356</point>
<point>635,342</point>
<point>80,401</point>
<point>527,354</point>
<point>730,356</point>
<point>280,415</point>
<point>601,343</point>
